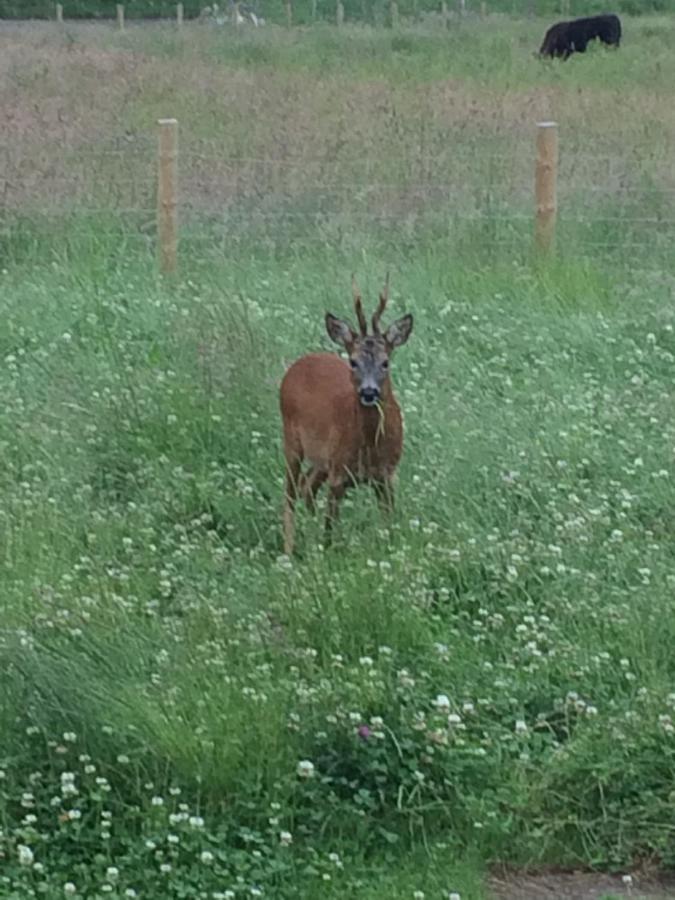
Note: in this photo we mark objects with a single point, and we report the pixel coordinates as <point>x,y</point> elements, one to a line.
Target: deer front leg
<point>310,487</point>
<point>292,477</point>
<point>335,493</point>
<point>384,491</point>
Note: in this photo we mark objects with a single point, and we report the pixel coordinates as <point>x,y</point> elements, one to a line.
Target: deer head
<point>369,353</point>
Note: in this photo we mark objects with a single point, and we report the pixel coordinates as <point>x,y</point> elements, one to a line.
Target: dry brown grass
<point>80,107</point>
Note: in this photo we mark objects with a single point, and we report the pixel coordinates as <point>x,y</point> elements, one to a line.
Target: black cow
<point>565,38</point>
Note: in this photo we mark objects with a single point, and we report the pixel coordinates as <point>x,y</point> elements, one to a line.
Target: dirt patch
<point>579,886</point>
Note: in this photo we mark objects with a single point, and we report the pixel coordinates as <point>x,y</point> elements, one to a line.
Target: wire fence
<point>287,12</point>
<point>469,191</point>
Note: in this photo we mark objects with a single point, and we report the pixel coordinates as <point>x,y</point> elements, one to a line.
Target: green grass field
<point>180,704</point>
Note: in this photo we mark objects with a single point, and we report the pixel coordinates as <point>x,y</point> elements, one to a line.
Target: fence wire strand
<point>606,198</point>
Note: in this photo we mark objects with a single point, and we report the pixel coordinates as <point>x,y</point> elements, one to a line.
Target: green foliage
<point>156,639</point>
<point>95,9</point>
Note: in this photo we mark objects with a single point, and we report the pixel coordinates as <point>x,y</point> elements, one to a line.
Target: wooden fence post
<point>179,15</point>
<point>393,13</point>
<point>120,16</point>
<point>167,189</point>
<point>546,186</point>
<point>339,13</point>
<point>59,13</point>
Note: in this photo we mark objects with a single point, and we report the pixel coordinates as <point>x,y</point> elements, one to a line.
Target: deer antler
<point>358,306</point>
<point>384,296</point>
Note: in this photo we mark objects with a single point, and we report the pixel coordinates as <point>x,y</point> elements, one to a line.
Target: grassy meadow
<point>488,677</point>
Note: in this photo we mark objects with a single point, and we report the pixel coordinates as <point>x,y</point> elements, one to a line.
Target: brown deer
<point>342,417</point>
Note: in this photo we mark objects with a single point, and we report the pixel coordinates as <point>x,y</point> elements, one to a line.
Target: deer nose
<point>369,396</point>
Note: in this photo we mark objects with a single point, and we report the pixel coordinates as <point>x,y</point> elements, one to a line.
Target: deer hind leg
<point>293,465</point>
<point>384,491</point>
<point>311,484</point>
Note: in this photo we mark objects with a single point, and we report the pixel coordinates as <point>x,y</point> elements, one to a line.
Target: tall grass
<point>485,677</point>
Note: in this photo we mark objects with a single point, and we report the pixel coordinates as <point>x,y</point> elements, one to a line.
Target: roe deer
<point>343,417</point>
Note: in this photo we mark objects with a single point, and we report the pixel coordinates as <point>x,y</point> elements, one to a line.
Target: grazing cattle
<point>565,38</point>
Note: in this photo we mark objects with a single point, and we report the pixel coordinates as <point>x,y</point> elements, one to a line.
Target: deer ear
<point>339,331</point>
<point>398,333</point>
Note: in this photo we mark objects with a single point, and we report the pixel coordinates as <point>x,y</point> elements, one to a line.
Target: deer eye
<point>353,363</point>
<point>385,363</point>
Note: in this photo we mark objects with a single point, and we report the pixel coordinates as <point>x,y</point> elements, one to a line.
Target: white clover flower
<point>130,892</point>
<point>454,719</point>
<point>165,868</point>
<point>112,873</point>
<point>69,737</point>
<point>69,888</point>
<point>157,801</point>
<point>442,703</point>
<point>453,895</point>
<point>206,857</point>
<point>285,838</point>
<point>196,822</point>
<point>627,879</point>
<point>306,769</point>
<point>521,726</point>
<point>418,895</point>
<point>25,855</point>
<point>366,661</point>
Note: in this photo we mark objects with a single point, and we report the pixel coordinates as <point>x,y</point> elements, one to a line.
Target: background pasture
<point>166,669</point>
